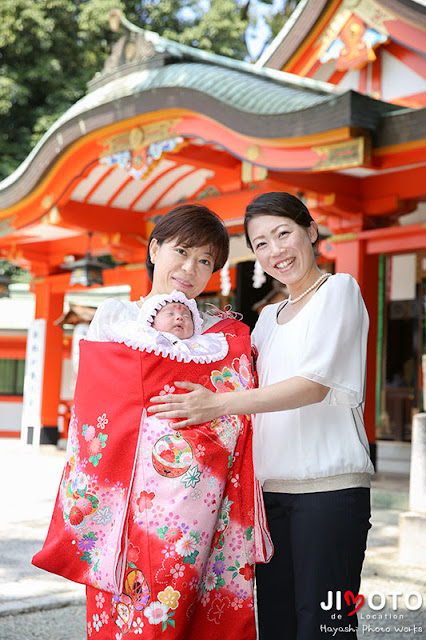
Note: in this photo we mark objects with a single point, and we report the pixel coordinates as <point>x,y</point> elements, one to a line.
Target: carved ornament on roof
<point>354,47</point>
<point>373,14</point>
<point>129,53</point>
<point>351,153</point>
<point>140,163</point>
<point>358,27</point>
<point>140,149</point>
<point>131,48</point>
<point>138,137</point>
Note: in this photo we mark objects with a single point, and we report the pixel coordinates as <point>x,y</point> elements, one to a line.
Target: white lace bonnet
<point>151,306</point>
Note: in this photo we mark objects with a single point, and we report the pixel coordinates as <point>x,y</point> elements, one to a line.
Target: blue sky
<point>259,33</point>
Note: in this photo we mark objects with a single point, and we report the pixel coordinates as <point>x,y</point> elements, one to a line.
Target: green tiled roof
<point>247,93</point>
<point>181,52</point>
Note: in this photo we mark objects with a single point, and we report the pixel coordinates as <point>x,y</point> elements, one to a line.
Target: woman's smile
<point>182,282</point>
<point>284,264</point>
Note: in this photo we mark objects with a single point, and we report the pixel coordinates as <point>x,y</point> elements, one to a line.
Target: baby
<point>170,325</point>
<point>175,318</point>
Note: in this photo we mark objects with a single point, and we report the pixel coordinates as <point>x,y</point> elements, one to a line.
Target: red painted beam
<point>402,184</point>
<point>399,239</point>
<point>92,217</point>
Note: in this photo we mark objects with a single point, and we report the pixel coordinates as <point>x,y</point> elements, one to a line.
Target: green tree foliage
<point>220,30</point>
<point>50,49</point>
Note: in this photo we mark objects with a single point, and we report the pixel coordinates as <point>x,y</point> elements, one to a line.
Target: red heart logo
<point>349,596</point>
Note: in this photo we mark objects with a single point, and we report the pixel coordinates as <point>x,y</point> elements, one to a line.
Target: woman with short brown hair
<point>163,529</point>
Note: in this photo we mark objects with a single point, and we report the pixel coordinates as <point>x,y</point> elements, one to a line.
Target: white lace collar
<point>139,334</point>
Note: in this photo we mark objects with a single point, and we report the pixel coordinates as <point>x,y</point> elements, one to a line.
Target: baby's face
<point>175,318</point>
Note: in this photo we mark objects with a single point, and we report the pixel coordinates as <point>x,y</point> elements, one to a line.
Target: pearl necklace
<point>322,277</point>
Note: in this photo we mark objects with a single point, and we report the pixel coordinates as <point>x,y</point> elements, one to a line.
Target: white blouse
<point>321,446</point>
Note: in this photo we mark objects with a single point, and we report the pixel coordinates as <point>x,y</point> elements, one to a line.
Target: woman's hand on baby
<point>197,406</point>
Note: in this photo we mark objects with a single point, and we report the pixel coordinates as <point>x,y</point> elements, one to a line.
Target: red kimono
<point>163,526</point>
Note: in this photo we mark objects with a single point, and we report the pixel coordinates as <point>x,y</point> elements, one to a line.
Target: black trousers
<point>319,541</point>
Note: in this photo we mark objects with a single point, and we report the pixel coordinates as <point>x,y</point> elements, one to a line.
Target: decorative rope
<point>226,313</point>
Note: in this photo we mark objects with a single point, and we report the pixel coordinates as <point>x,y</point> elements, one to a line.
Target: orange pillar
<point>139,282</point>
<point>49,305</point>
<point>352,258</point>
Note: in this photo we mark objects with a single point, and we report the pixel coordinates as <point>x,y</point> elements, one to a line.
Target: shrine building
<point>333,112</point>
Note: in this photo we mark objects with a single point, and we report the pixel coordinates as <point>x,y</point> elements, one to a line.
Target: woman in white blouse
<point>310,450</point>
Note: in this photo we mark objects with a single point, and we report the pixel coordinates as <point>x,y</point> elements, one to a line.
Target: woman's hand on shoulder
<point>197,406</point>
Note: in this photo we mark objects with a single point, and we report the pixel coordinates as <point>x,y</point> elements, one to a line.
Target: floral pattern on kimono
<point>161,525</point>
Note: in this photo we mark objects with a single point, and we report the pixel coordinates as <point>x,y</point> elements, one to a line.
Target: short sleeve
<point>110,311</point>
<point>264,325</point>
<point>335,345</point>
<point>255,333</point>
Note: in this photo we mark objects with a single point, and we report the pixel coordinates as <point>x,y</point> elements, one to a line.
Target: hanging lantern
<point>87,271</point>
<point>4,286</point>
<point>259,277</point>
